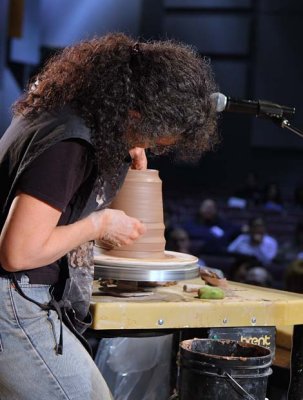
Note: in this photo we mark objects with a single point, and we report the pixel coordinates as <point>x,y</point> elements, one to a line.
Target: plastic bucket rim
<point>264,374</point>
<point>185,362</point>
<point>226,358</point>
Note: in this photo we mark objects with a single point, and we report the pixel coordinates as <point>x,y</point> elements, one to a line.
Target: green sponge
<point>210,292</point>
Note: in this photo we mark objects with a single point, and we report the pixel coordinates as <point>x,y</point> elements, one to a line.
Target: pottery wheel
<point>173,267</point>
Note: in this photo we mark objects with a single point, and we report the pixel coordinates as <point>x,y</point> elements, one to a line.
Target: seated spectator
<point>240,267</point>
<point>258,276</point>
<point>292,249</point>
<point>177,239</point>
<point>211,229</point>
<point>255,243</point>
<point>272,199</point>
<point>247,270</point>
<point>251,191</point>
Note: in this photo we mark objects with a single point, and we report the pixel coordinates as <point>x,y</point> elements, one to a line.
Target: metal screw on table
<point>225,321</point>
<point>160,321</point>
<point>253,320</point>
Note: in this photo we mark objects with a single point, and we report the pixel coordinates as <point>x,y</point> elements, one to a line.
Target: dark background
<point>255,48</point>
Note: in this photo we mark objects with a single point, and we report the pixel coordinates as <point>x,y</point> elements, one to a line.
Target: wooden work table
<point>172,308</point>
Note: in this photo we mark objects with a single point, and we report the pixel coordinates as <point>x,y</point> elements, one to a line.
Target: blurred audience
<point>251,190</point>
<point>272,198</point>
<point>293,248</point>
<point>214,232</point>
<point>255,243</point>
<point>247,270</point>
<point>258,276</point>
<point>177,239</point>
<point>219,240</point>
<point>240,267</point>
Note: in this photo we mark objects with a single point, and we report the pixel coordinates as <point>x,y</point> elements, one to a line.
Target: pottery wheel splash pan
<point>175,267</point>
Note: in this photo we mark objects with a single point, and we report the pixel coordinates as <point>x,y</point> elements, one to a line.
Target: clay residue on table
<point>154,297</point>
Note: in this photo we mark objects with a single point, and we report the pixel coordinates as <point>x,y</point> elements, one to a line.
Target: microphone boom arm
<point>268,109</point>
<point>283,123</point>
<point>286,124</point>
<point>261,108</point>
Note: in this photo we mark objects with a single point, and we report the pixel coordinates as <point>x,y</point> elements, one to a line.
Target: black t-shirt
<point>54,177</point>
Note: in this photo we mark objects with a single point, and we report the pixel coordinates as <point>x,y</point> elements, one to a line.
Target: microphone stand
<point>295,388</point>
<point>286,124</point>
<point>283,123</point>
<point>276,114</point>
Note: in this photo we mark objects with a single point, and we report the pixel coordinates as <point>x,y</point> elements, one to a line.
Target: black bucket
<point>223,369</point>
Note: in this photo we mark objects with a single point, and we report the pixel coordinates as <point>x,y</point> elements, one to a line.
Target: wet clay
<point>141,197</point>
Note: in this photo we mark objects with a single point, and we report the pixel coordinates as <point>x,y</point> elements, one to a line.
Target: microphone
<point>255,107</point>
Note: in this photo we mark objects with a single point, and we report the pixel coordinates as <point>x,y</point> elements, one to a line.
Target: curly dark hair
<point>129,94</point>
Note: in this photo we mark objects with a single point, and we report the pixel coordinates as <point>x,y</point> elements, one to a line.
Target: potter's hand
<point>139,160</point>
<point>114,228</point>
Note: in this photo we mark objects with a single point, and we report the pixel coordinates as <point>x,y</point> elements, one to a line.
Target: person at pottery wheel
<point>82,122</point>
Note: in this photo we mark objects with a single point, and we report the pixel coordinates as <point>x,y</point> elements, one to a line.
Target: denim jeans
<point>30,369</point>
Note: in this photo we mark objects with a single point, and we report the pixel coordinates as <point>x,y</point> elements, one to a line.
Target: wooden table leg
<point>295,391</point>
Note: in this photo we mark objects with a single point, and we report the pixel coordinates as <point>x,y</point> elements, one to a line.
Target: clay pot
<point>141,197</point>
